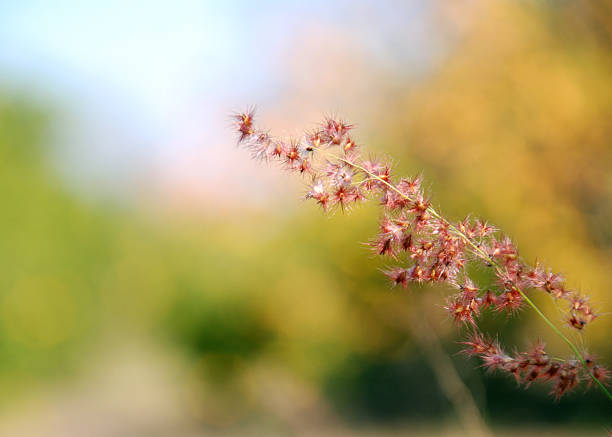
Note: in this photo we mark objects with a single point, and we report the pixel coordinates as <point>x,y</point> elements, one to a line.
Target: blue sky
<point>137,79</point>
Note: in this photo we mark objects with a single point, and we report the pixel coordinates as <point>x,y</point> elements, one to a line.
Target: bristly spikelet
<point>319,193</point>
<point>398,276</point>
<point>244,123</point>
<point>430,248</point>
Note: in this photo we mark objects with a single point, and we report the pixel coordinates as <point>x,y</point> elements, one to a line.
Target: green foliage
<point>52,247</point>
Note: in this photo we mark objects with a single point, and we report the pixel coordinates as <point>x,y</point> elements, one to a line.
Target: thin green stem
<point>478,250</point>
<point>568,341</point>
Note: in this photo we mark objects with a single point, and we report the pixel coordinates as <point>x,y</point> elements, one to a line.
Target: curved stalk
<point>482,254</point>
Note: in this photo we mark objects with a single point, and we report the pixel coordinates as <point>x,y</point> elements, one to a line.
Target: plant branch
<point>478,251</point>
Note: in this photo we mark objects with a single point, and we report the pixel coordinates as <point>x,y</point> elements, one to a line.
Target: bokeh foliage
<point>514,126</point>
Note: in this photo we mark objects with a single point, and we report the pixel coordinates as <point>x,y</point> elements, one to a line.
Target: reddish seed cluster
<point>534,365</point>
<point>426,246</point>
<point>580,312</point>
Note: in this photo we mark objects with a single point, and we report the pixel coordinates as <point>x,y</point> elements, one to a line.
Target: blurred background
<point>155,281</point>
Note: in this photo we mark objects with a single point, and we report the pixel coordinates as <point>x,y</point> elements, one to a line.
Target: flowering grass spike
<point>426,247</point>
